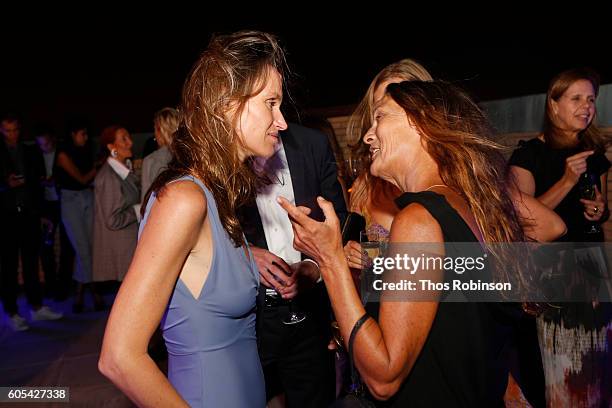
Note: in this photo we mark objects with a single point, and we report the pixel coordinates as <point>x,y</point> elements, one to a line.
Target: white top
<point>121,169</point>
<point>276,224</point>
<point>50,192</point>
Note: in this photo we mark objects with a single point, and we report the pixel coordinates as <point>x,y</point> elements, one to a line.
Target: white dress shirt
<point>50,191</point>
<point>276,224</point>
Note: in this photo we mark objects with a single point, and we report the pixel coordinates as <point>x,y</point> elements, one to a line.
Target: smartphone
<point>353,225</point>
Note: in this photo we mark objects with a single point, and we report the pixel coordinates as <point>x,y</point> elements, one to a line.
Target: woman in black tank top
<point>75,172</point>
<point>431,141</point>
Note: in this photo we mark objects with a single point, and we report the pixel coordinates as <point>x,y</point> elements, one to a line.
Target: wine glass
<point>294,316</point>
<point>354,167</point>
<point>586,186</point>
<point>371,249</point>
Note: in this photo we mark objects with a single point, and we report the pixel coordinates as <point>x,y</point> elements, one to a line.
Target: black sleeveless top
<point>547,165</point>
<point>463,362</point>
<point>83,159</point>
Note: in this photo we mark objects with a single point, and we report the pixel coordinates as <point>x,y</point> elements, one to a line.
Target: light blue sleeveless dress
<point>212,348</point>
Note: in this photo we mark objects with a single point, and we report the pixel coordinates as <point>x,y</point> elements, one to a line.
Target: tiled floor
<point>59,353</point>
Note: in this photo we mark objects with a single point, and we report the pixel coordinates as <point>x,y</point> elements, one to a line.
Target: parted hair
<point>232,69</point>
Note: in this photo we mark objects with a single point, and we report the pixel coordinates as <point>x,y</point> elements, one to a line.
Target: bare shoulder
<point>414,223</point>
<point>184,198</point>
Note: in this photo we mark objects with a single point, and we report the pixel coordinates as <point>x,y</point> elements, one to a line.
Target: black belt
<point>274,301</point>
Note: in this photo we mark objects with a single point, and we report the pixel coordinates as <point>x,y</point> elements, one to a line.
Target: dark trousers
<point>295,358</point>
<point>20,234</point>
<point>57,281</point>
<point>528,371</point>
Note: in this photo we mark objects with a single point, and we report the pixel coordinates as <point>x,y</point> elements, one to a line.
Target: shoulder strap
<point>453,226</point>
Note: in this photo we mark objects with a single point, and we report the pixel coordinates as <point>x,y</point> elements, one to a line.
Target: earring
<point>114,153</point>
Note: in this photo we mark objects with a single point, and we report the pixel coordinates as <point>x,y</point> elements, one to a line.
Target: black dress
<point>463,362</point>
<point>574,337</point>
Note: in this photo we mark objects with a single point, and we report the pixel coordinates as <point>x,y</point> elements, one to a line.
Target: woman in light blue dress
<point>193,272</point>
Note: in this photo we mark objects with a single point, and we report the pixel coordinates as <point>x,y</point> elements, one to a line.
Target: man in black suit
<point>21,175</point>
<point>294,357</point>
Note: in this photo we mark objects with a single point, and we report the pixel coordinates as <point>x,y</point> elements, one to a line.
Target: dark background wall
<point>121,69</point>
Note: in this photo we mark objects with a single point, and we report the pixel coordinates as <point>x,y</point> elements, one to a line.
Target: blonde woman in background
<point>165,123</point>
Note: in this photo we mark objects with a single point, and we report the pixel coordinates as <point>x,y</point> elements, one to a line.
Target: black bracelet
<point>355,329</point>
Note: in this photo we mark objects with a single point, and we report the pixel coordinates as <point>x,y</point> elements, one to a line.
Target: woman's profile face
<point>575,109</point>
<point>123,144</point>
<point>261,119</point>
<point>394,142</point>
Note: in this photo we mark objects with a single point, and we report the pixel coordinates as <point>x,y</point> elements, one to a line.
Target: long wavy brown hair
<point>457,135</point>
<point>591,137</point>
<point>206,145</point>
<point>361,120</point>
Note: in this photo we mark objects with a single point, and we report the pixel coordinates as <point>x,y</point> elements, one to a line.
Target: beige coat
<point>115,224</point>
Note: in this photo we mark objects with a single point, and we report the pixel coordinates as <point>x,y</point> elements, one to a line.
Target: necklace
<point>436,185</point>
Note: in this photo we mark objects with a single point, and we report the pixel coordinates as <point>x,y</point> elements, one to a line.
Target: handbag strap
<point>356,327</point>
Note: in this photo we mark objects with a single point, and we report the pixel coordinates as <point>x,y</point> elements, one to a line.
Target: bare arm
<point>574,166</point>
<point>69,167</point>
<point>145,293</point>
<point>384,352</point>
<point>539,222</point>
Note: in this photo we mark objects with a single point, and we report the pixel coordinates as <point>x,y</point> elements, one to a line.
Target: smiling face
<point>395,144</point>
<point>575,109</point>
<point>261,119</point>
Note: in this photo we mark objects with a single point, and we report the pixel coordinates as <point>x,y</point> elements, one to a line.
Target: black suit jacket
<point>313,173</point>
<point>30,195</point>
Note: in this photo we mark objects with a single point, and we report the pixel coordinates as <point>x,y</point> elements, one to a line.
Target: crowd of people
<point>230,243</point>
<point>65,189</point>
